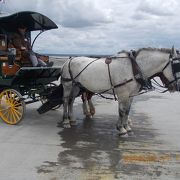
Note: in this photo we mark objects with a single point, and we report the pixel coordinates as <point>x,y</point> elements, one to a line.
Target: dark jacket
<point>19,40</point>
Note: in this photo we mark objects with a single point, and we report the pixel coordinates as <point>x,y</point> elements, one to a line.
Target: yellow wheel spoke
<point>17,104</point>
<point>3,110</point>
<point>8,115</point>
<point>11,106</point>
<point>17,112</point>
<point>18,116</point>
<point>13,116</point>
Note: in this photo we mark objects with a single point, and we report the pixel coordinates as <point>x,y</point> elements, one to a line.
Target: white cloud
<point>105,26</point>
<point>159,7</point>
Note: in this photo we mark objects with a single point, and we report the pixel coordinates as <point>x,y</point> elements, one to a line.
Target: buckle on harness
<point>108,60</point>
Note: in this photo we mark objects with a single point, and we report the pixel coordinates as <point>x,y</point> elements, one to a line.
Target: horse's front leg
<point>122,124</point>
<point>74,93</point>
<point>71,114</point>
<point>66,121</point>
<point>85,105</point>
<point>129,119</point>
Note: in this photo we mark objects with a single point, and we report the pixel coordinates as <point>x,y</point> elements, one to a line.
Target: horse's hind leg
<point>85,105</point>
<point>91,106</point>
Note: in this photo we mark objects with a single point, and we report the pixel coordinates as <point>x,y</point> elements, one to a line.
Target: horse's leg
<point>66,121</point>
<point>85,105</point>
<point>72,119</point>
<point>129,119</point>
<point>122,124</point>
<point>91,106</point>
<point>74,93</point>
<point>66,96</point>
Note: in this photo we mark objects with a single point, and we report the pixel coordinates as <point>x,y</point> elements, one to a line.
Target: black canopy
<point>32,20</point>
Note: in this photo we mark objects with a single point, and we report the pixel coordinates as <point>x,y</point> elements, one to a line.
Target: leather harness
<point>136,71</point>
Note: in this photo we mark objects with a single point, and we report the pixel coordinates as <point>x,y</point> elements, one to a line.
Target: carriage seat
<point>23,59</point>
<point>7,66</point>
<point>9,63</point>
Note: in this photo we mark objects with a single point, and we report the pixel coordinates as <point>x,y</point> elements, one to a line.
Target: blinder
<point>175,62</point>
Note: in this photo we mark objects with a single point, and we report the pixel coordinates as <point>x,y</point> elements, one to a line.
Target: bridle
<point>175,64</point>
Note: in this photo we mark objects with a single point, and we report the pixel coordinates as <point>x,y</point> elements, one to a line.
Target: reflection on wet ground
<point>94,151</point>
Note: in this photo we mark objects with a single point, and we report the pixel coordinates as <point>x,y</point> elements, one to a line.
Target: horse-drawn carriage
<point>19,82</point>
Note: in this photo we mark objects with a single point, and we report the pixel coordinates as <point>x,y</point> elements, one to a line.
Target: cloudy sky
<point>104,26</point>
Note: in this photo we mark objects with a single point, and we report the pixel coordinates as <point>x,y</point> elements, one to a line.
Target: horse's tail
<point>54,99</point>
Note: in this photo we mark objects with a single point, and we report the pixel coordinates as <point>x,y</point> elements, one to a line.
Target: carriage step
<point>49,105</point>
<point>54,98</point>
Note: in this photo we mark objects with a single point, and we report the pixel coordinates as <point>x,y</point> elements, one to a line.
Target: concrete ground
<point>39,149</point>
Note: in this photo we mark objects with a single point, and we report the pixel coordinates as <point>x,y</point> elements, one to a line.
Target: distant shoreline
<point>76,55</point>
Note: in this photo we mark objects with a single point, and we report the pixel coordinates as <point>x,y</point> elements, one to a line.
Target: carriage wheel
<point>12,106</point>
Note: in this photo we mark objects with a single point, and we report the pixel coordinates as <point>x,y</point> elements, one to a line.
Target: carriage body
<point>20,83</point>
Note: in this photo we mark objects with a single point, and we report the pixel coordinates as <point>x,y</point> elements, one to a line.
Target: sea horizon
<point>75,55</point>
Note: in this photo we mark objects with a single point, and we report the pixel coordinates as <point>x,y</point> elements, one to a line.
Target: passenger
<point>20,42</point>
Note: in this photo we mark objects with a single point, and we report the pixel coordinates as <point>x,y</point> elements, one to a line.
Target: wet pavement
<point>93,149</point>
<point>40,149</point>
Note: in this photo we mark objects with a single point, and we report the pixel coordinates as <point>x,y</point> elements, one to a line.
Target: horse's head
<point>170,75</point>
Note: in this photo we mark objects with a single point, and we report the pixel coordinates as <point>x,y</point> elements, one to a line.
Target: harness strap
<point>166,66</point>
<point>138,73</point>
<point>118,85</point>
<point>111,82</point>
<point>70,72</point>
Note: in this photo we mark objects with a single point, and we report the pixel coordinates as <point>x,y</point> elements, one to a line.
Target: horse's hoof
<point>92,112</point>
<point>131,133</point>
<point>123,135</point>
<point>66,125</point>
<point>122,131</point>
<point>73,123</point>
<point>88,115</point>
<point>128,128</point>
<point>130,122</point>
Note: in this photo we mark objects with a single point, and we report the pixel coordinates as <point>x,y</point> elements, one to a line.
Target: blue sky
<point>104,26</point>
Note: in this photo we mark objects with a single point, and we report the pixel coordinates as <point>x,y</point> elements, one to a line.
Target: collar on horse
<point>138,73</point>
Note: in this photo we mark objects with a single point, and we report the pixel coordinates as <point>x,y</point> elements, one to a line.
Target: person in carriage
<point>22,43</point>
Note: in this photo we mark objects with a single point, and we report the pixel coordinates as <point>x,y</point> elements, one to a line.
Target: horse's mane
<point>166,50</point>
<point>136,52</point>
<point>122,53</point>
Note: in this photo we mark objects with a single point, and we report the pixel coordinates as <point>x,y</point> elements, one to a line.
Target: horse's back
<point>82,63</point>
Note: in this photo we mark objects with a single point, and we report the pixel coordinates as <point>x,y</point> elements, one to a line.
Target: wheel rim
<point>12,106</point>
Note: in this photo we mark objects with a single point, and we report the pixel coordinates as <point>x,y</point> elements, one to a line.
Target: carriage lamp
<point>176,72</point>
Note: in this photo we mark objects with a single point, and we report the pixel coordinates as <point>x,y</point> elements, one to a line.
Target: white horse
<point>93,75</point>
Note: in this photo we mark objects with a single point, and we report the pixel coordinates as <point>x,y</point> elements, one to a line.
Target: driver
<point>20,42</point>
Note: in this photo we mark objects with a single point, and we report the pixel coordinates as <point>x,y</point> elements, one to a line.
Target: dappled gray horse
<point>117,77</point>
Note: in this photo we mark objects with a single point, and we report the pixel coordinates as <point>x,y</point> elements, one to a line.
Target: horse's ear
<point>173,51</point>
